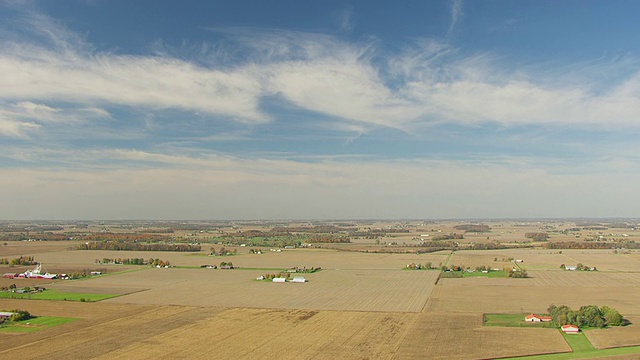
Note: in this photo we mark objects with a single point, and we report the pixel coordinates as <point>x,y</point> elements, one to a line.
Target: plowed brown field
<point>360,306</point>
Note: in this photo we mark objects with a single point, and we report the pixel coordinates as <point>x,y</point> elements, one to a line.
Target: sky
<point>291,109</point>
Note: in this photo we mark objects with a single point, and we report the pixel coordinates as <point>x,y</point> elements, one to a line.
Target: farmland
<point>363,304</point>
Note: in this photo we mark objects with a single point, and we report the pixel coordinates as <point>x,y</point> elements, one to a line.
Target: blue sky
<point>319,110</point>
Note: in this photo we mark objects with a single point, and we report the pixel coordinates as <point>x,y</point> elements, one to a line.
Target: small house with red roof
<point>537,318</point>
<point>570,329</point>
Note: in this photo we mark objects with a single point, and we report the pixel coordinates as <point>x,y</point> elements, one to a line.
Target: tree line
<point>588,315</point>
<point>134,246</point>
<point>22,260</point>
<point>537,236</point>
<point>473,228</point>
<point>19,315</point>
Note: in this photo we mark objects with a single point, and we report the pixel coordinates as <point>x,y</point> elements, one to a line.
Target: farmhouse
<point>5,315</point>
<point>570,329</point>
<point>537,318</point>
<point>570,268</point>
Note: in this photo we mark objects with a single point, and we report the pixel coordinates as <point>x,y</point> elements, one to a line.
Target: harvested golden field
<point>328,259</point>
<point>271,334</point>
<point>531,259</point>
<point>16,248</point>
<point>461,336</point>
<point>481,295</point>
<point>114,331</point>
<point>362,290</point>
<point>606,260</point>
<point>534,259</point>
<point>616,336</point>
<point>361,305</point>
<point>88,257</point>
<point>591,279</point>
<point>197,333</point>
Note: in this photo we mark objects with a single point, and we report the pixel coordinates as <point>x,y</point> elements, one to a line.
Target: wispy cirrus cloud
<point>361,84</point>
<point>456,14</point>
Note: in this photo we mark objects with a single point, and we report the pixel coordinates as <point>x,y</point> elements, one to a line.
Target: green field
<point>578,342</point>
<point>511,320</point>
<point>34,324</point>
<point>451,274</point>
<point>490,274</point>
<point>590,354</point>
<point>56,295</point>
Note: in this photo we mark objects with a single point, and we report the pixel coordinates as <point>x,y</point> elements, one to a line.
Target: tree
<point>591,316</point>
<point>19,315</point>
<point>613,318</point>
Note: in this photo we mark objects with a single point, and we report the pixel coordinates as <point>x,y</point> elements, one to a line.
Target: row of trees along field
<point>22,260</point>
<point>537,236</point>
<point>134,261</point>
<point>18,315</point>
<point>135,246</point>
<point>517,273</point>
<point>589,315</point>
<point>580,267</point>
<point>629,244</point>
<point>79,274</point>
<point>476,228</point>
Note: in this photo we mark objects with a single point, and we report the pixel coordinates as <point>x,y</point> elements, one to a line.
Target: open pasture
<point>362,290</point>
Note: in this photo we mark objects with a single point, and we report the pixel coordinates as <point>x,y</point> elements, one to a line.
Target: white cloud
<point>456,13</point>
<point>158,83</point>
<point>15,129</point>
<point>428,82</point>
<point>345,19</point>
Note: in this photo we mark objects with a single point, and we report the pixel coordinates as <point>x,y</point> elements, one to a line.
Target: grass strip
<point>589,354</point>
<point>50,294</point>
<point>34,324</point>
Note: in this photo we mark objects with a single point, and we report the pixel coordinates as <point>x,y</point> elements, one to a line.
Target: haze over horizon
<point>319,110</point>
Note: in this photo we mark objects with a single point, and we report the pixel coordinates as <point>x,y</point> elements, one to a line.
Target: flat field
<point>461,336</point>
<point>118,331</point>
<point>616,336</point>
<point>361,305</point>
<point>484,295</point>
<point>362,290</point>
